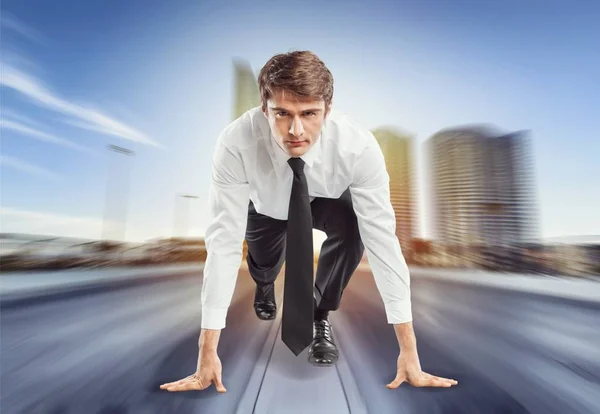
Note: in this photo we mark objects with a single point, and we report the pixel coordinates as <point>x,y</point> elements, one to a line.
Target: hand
<point>208,371</point>
<point>409,370</point>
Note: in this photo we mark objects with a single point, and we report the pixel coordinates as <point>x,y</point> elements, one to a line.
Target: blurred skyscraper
<point>114,225</point>
<point>245,88</point>
<point>400,164</point>
<point>482,188</point>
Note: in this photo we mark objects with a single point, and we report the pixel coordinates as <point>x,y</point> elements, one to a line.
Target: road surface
<point>108,352</point>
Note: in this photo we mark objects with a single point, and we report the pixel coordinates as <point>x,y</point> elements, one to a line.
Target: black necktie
<point>298,306</point>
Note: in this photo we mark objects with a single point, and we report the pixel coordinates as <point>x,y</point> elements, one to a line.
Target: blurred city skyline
<point>77,79</point>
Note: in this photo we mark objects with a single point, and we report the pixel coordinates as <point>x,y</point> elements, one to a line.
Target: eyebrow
<point>306,110</point>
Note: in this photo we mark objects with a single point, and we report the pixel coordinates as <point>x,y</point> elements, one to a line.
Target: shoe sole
<point>270,318</point>
<point>331,356</point>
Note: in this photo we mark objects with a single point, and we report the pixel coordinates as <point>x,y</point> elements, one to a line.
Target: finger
<point>189,386</point>
<point>446,381</point>
<point>219,384</point>
<point>449,380</point>
<point>182,387</point>
<point>442,380</point>
<point>181,381</point>
<point>433,381</point>
<point>193,382</point>
<point>400,378</point>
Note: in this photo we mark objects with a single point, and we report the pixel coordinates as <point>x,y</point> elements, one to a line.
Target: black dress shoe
<point>322,351</point>
<point>264,302</point>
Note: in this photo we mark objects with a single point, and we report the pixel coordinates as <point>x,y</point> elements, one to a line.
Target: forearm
<point>377,225</point>
<point>209,340</point>
<point>406,337</point>
<point>228,213</point>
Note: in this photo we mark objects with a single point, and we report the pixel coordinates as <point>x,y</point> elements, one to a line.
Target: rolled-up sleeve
<point>377,225</point>
<point>228,212</point>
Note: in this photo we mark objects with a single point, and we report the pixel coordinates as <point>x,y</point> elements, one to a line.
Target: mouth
<point>296,143</point>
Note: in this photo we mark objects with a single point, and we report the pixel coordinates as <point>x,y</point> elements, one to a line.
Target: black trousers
<point>340,253</point>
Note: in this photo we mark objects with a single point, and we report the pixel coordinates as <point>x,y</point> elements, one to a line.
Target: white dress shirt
<point>249,164</point>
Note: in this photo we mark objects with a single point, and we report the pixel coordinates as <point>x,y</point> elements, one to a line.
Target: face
<point>296,125</point>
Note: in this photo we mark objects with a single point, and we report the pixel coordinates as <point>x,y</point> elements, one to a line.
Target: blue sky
<point>156,77</point>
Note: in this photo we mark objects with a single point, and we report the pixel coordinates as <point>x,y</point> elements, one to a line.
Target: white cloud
<point>90,127</point>
<point>13,220</point>
<point>29,168</point>
<point>15,116</point>
<point>10,22</point>
<point>14,58</point>
<point>95,120</point>
<point>41,136</point>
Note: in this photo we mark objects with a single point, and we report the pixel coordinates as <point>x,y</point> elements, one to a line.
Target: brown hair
<point>301,73</point>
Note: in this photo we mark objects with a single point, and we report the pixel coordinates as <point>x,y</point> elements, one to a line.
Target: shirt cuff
<point>398,312</point>
<point>213,318</point>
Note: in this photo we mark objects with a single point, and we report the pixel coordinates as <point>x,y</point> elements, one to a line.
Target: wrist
<point>207,352</point>
<point>208,341</point>
<point>409,350</point>
<point>208,347</point>
<point>407,340</point>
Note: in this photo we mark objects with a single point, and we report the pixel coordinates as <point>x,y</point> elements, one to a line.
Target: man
<point>280,170</point>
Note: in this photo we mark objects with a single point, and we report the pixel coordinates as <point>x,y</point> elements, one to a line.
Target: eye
<point>281,113</point>
<point>309,113</point>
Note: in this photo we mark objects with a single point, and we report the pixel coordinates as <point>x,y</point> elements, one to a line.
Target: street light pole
<point>113,226</point>
<point>184,217</point>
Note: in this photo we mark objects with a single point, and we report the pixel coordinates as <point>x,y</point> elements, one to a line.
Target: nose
<point>296,129</point>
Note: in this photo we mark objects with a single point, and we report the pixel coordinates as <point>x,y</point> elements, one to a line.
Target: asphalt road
<point>511,352</point>
<point>108,352</point>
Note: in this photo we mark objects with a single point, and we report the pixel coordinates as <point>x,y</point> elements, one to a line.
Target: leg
<point>340,255</point>
<point>265,237</point>
<point>341,251</point>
